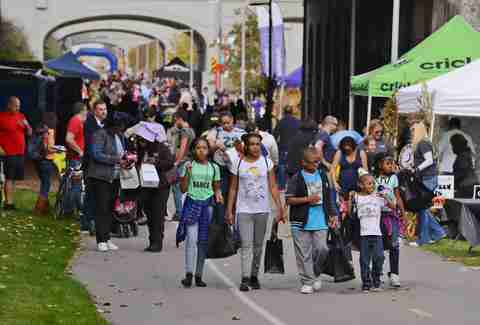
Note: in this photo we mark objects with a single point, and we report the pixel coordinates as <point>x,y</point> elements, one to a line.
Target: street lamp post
<point>271,80</point>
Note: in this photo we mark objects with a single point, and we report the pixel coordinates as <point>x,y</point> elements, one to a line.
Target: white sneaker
<point>413,244</point>
<point>395,280</point>
<point>306,290</point>
<point>317,285</point>
<point>112,246</point>
<point>102,247</point>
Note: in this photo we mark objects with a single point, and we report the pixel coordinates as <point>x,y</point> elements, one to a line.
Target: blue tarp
<point>69,66</point>
<point>101,52</point>
<point>294,79</point>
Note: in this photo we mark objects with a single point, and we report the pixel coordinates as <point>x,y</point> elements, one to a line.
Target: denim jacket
<point>103,156</point>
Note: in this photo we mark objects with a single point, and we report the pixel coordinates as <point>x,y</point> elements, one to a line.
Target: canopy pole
<point>432,127</point>
<point>395,30</point>
<point>244,45</point>
<point>351,108</point>
<point>191,61</point>
<point>369,111</point>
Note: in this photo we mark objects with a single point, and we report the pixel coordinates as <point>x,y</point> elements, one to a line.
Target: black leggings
<point>104,193</point>
<point>154,202</point>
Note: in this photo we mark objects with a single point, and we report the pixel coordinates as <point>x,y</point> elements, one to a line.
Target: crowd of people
<point>221,165</point>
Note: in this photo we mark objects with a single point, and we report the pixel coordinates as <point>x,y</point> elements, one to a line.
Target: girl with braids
<point>200,180</point>
<point>252,183</point>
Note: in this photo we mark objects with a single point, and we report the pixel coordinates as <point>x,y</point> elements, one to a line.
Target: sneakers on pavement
<point>254,283</point>
<point>413,244</point>
<point>317,285</point>
<point>395,280</point>
<point>365,289</point>
<point>377,289</point>
<point>112,246</point>
<point>306,290</point>
<point>244,284</point>
<point>102,247</point>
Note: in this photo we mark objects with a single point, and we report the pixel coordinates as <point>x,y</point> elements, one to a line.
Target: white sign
<point>446,186</point>
<point>476,192</point>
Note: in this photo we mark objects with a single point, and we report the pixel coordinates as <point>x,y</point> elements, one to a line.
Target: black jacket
<point>301,140</point>
<point>298,188</point>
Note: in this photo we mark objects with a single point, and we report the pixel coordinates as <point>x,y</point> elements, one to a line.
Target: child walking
<point>368,205</point>
<point>200,179</point>
<point>387,183</point>
<point>312,209</point>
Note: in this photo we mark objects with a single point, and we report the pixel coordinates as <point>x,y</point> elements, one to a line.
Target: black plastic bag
<point>337,264</point>
<point>221,243</point>
<point>274,253</point>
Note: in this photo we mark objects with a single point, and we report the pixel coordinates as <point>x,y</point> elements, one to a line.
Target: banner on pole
<point>278,40</point>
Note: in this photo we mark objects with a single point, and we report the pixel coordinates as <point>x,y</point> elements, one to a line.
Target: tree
<point>53,49</point>
<point>255,80</point>
<point>14,43</point>
<point>181,45</point>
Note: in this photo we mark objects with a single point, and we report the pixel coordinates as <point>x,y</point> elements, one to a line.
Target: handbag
<point>274,253</point>
<point>415,194</point>
<point>129,179</point>
<point>221,243</point>
<point>149,176</point>
<point>337,264</point>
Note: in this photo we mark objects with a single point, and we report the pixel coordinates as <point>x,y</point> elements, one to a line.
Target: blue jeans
<point>282,170</point>
<point>193,247</point>
<point>44,170</point>
<point>430,229</point>
<point>394,253</point>
<point>371,250</point>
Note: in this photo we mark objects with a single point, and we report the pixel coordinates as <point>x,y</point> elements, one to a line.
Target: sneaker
<point>413,244</point>
<point>317,285</point>
<point>102,247</point>
<point>244,284</point>
<point>9,207</point>
<point>395,280</point>
<point>254,283</point>
<point>365,289</point>
<point>377,289</point>
<point>306,289</point>
<point>112,246</point>
<point>85,232</point>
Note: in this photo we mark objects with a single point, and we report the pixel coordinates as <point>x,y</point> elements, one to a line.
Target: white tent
<point>455,93</point>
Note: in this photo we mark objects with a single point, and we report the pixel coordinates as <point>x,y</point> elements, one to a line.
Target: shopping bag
<point>337,264</point>
<point>149,176</point>
<point>129,179</point>
<point>221,243</point>
<point>274,253</point>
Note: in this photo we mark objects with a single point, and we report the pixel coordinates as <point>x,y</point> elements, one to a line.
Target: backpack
<point>37,148</point>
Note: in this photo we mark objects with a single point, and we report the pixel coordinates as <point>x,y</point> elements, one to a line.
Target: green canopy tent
<point>452,46</point>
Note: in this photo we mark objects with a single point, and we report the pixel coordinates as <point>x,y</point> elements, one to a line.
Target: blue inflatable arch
<point>101,52</point>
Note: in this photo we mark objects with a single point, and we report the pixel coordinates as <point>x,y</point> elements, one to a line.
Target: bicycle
<point>70,176</point>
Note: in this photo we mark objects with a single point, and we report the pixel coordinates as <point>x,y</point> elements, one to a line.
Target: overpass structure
<point>207,18</point>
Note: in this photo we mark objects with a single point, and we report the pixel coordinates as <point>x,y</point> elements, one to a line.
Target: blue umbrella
<point>69,66</point>
<point>339,136</point>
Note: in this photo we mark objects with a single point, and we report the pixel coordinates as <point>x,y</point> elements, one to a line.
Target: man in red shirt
<point>75,137</point>
<point>75,141</point>
<point>13,126</point>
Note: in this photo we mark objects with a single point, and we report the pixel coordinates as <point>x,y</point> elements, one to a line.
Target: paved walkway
<point>137,288</point>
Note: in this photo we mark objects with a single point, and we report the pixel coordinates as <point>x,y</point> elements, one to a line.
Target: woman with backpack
<point>252,183</point>
<point>41,150</point>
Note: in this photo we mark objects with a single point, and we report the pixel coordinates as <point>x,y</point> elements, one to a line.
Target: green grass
<point>34,285</point>
<point>456,251</point>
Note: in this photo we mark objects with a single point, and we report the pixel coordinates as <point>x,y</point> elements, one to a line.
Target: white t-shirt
<point>369,211</point>
<point>253,190</point>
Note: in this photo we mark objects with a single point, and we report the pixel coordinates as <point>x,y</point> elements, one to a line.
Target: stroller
<point>125,215</point>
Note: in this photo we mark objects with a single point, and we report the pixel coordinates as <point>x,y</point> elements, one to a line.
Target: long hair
<point>419,133</point>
